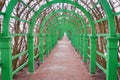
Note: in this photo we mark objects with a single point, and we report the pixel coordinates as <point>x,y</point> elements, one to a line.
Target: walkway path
<point>63,63</point>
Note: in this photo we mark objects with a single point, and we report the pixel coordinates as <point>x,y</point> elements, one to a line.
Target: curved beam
<point>87,14</point>
<point>65,20</point>
<point>110,16</point>
<point>58,11</point>
<point>7,15</point>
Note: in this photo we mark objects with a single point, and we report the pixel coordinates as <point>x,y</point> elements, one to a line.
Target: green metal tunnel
<point>52,29</point>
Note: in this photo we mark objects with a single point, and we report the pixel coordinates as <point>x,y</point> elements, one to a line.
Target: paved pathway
<point>63,63</point>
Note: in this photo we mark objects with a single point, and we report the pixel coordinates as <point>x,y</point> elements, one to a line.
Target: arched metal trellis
<point>52,29</point>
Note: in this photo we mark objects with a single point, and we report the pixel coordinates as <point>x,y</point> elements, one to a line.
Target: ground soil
<point>63,63</point>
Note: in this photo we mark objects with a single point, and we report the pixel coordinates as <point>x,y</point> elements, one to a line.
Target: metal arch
<point>64,16</point>
<point>74,34</point>
<point>85,44</point>
<point>58,11</point>
<point>103,3</point>
<point>110,16</point>
<point>111,40</point>
<point>61,1</point>
<point>63,19</point>
<point>70,28</point>
<point>9,9</point>
<point>5,41</point>
<point>60,28</point>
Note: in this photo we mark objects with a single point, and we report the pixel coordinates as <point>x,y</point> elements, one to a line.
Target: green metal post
<point>80,44</point>
<point>93,54</point>
<point>85,50</point>
<point>112,58</point>
<point>77,42</point>
<point>55,39</point>
<point>31,53</point>
<point>50,43</point>
<point>81,52</point>
<point>41,48</point>
<point>6,58</point>
<point>47,45</point>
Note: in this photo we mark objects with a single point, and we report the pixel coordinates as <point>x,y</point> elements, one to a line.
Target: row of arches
<point>82,34</point>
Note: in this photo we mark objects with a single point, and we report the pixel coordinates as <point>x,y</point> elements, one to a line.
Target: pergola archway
<point>82,33</point>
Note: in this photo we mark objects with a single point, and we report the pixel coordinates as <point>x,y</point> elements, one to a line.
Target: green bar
<point>14,17</point>
<point>103,35</point>
<point>2,13</point>
<point>19,68</point>
<point>88,25</point>
<point>0,63</point>
<point>31,53</point>
<point>118,64</point>
<point>118,35</point>
<point>36,34</point>
<point>100,67</point>
<point>6,58</point>
<point>89,35</point>
<point>79,43</point>
<point>18,35</point>
<point>98,21</point>
<point>94,6</point>
<point>98,35</point>
<point>36,46</point>
<point>81,52</point>
<point>38,25</point>
<point>88,55</point>
<point>116,14</point>
<point>27,6</point>
<point>112,58</point>
<point>89,47</point>
<point>36,55</point>
<point>44,43</point>
<point>101,54</point>
<point>85,50</point>
<point>93,54</point>
<point>41,48</point>
<point>20,54</point>
<point>47,45</point>
<point>103,19</point>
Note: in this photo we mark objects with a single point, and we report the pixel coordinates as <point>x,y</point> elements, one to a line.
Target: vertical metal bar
<point>80,44</point>
<point>31,53</point>
<point>47,45</point>
<point>85,49</point>
<point>6,58</point>
<point>112,58</point>
<point>81,53</point>
<point>93,54</point>
<point>41,48</point>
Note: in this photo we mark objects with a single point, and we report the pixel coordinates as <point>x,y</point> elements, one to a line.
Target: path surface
<point>63,63</point>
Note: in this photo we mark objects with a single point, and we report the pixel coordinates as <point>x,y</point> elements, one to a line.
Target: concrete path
<point>63,63</point>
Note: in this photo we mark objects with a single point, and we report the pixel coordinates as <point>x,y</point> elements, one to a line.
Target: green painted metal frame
<point>64,24</point>
<point>86,39</point>
<point>112,39</point>
<point>65,20</point>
